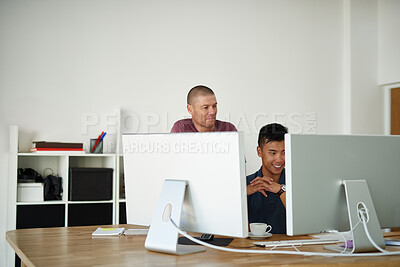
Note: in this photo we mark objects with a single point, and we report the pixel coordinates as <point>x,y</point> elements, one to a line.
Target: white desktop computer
<point>197,179</point>
<point>329,176</point>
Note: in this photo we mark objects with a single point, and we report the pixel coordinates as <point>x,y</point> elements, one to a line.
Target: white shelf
<point>89,201</point>
<point>49,202</point>
<point>60,164</point>
<point>92,155</point>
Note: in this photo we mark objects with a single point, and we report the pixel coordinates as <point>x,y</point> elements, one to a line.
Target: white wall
<point>366,96</point>
<point>65,64</point>
<point>389,41</point>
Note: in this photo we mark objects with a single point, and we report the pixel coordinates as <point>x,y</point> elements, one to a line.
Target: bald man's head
<point>199,90</point>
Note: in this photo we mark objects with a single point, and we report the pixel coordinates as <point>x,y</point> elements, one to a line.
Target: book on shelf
<point>44,144</point>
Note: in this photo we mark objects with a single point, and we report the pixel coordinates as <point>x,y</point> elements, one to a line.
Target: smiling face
<point>204,112</point>
<point>273,159</point>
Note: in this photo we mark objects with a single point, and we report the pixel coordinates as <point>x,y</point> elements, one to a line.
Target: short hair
<point>271,132</point>
<point>198,90</point>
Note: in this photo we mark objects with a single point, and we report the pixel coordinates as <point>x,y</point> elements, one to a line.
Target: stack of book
<point>56,147</point>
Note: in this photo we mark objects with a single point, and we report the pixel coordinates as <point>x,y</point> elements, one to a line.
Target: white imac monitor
<point>318,165</point>
<point>212,164</point>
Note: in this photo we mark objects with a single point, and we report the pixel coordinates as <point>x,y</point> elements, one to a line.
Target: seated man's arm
<point>263,184</point>
<point>283,198</point>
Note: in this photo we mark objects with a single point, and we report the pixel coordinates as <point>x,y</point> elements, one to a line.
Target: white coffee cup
<point>259,229</point>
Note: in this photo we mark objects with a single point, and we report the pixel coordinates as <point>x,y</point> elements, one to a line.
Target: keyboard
<point>289,243</point>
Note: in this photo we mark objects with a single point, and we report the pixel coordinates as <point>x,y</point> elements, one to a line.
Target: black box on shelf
<point>90,184</point>
<point>90,214</point>
<point>40,216</point>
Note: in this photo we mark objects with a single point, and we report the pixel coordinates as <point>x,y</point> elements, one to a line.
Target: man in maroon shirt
<point>202,105</point>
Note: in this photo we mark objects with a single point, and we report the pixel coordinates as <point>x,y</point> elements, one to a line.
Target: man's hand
<point>262,184</point>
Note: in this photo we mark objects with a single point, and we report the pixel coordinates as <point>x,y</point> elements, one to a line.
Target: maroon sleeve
<point>224,126</point>
<point>177,128</point>
<point>232,127</point>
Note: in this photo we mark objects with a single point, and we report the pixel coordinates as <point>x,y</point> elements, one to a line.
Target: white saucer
<point>258,237</point>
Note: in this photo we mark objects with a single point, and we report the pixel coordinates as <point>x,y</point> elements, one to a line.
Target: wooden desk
<point>74,246</point>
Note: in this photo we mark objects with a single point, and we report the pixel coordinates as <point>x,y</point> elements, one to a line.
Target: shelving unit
<point>120,192</point>
<point>62,212</point>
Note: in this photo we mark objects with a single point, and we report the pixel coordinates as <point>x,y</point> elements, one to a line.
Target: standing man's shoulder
<point>184,125</point>
<point>224,126</point>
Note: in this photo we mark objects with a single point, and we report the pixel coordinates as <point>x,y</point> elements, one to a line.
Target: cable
<point>373,254</point>
<point>230,246</point>
<point>362,212</point>
<point>344,238</point>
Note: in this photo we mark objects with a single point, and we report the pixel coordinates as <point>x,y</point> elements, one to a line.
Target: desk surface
<point>74,246</point>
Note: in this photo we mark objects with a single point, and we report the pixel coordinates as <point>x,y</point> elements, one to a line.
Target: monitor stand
<point>357,192</point>
<point>162,235</point>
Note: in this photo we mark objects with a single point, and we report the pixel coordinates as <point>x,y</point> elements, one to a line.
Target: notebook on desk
<point>106,232</point>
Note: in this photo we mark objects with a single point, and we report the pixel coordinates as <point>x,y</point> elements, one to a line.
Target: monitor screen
<point>215,201</point>
<point>317,165</point>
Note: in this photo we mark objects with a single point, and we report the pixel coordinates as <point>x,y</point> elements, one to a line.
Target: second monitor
<point>319,169</point>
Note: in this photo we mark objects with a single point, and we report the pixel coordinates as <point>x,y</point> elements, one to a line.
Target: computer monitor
<point>318,165</point>
<point>215,199</point>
